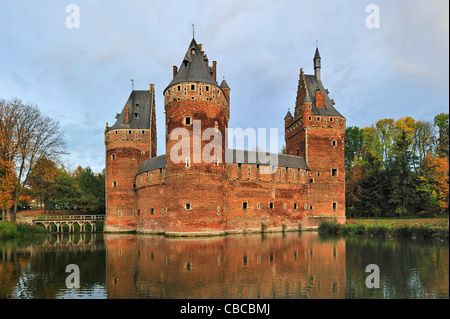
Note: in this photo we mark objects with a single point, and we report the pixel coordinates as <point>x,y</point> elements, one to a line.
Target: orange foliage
<point>436,178</point>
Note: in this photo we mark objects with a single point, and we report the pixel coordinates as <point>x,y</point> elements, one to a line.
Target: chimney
<point>175,70</point>
<point>127,114</point>
<point>320,99</point>
<point>152,88</point>
<point>214,70</point>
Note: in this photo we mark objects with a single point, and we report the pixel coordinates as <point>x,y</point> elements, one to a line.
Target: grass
<point>390,227</point>
<point>16,230</point>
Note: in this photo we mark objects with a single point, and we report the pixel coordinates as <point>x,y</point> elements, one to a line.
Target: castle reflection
<point>276,265</point>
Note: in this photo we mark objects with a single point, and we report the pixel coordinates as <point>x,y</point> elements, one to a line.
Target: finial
<point>132,84</point>
<point>317,44</point>
<point>193,31</point>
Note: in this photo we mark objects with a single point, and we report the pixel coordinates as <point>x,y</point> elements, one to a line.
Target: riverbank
<point>390,227</point>
<point>10,230</point>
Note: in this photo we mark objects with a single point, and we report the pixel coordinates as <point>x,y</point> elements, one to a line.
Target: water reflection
<point>255,266</point>
<point>291,265</point>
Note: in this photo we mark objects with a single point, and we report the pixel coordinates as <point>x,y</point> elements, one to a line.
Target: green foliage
<point>13,230</point>
<point>388,170</point>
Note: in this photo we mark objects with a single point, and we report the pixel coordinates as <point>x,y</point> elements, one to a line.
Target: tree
<point>402,188</point>
<point>7,181</point>
<point>442,122</point>
<point>353,145</point>
<point>42,179</point>
<point>30,137</point>
<point>434,181</point>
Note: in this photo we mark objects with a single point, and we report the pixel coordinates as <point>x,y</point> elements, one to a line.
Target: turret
<point>317,63</point>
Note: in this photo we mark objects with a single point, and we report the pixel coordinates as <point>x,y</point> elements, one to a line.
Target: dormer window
<point>193,51</point>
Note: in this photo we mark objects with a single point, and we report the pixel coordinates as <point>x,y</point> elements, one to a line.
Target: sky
<point>380,59</point>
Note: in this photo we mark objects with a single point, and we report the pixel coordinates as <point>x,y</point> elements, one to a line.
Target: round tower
<point>129,142</point>
<point>197,113</point>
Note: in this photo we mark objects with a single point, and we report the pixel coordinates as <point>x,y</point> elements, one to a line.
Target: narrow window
<point>270,205</point>
<point>113,157</point>
<point>239,166</point>
<point>249,170</point>
<point>331,119</point>
<point>309,118</point>
<point>295,206</point>
<point>258,205</point>
<point>192,87</point>
<point>114,184</point>
<point>187,206</point>
<point>152,211</point>
<point>318,119</point>
<point>207,88</point>
<point>179,88</point>
<point>143,132</point>
<point>334,172</point>
<point>160,171</point>
<point>216,161</point>
<point>244,205</point>
<point>324,121</point>
<point>257,168</point>
<point>187,120</point>
<point>334,206</point>
<point>129,132</point>
<point>120,213</point>
<point>311,207</point>
<point>136,115</point>
<point>311,180</point>
<point>333,143</point>
<point>139,212</point>
<point>298,152</point>
<point>188,162</point>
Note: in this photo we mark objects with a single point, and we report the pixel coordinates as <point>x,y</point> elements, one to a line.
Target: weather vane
<point>193,31</point>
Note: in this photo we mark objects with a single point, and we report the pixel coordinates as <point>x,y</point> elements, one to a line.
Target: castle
<point>229,191</point>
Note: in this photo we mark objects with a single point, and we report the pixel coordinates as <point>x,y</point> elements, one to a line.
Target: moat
<point>290,265</point>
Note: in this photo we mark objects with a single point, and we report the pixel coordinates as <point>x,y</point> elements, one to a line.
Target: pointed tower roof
<point>288,115</point>
<point>224,84</point>
<point>317,55</point>
<point>139,108</point>
<point>194,67</point>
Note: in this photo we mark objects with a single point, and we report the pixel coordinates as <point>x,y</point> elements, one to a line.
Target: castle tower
<point>317,133</point>
<point>129,142</point>
<point>197,113</point>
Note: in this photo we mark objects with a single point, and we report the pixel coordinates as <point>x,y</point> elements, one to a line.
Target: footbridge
<point>60,220</point>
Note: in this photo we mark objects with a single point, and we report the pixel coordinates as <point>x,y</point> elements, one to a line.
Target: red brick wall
<point>202,184</point>
<point>125,152</point>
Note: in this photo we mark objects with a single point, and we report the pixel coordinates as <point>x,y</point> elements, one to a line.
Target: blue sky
<point>81,76</point>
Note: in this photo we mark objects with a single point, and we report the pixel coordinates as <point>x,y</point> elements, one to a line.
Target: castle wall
<point>151,201</point>
<point>261,201</point>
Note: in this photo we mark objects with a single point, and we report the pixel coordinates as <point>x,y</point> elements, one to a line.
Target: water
<point>292,265</point>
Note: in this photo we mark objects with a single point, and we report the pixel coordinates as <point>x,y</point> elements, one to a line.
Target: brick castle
<point>233,191</point>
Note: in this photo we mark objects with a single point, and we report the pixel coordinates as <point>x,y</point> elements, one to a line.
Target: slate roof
<point>194,67</point>
<point>144,99</point>
<point>312,85</point>
<point>233,156</point>
<point>251,157</point>
<point>152,164</point>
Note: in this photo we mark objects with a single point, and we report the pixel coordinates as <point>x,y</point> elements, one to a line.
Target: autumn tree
<point>30,136</point>
<point>434,182</point>
<point>41,180</point>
